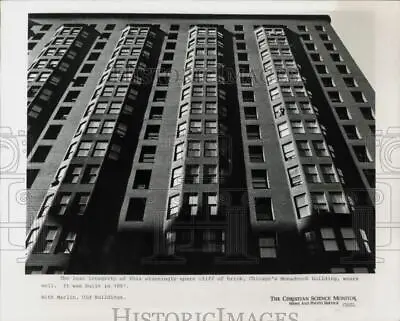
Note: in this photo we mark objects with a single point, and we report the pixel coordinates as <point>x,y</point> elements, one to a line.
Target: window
<point>199,63</point>
<point>192,174</point>
<point>283,130</point>
<point>319,201</point>
<point>45,94</point>
<point>302,28</point>
<point>327,81</point>
<point>193,148</point>
<point>159,96</point>
<point>45,27</point>
<point>211,91</point>
<point>100,45</point>
<point>181,131</point>
<point>34,111</point>
<point>168,56</point>
<point>250,113</point>
<point>358,97</point>
<point>191,203</point>
<point>349,239</point>
<point>302,205</point>
<point>210,174</point>
<point>121,91</point>
<point>336,57</point>
<point>328,239</point>
<point>239,36</point>
<point>211,107</point>
<point>351,132</point>
<point>63,201</point>
<point>100,149</point>
<point>32,76</point>
<point>179,149</point>
<point>196,108</point>
<point>267,247</point>
<point>342,113</point>
<point>362,154</point>
<point>238,28</point>
<point>195,127</point>
<point>80,81</point>
<point>108,127</point>
<point>329,46</point>
<point>350,82</point>
<point>320,28</point>
<point>73,174</point>
<point>315,57</point>
<point>288,151</point>
<point>43,76</point>
<point>72,96</point>
<point>364,240</point>
<point>210,149</point>
<point>367,113</point>
<point>259,179</point>
<point>40,154</point>
<point>109,27</point>
<point>156,113</point>
<point>321,69</point>
<point>173,36</point>
<point>305,37</point>
<point>244,68</point>
<point>197,91</point>
<point>328,173</point>
<point>286,91</point>
<point>211,63</point>
<point>52,132</point>
<point>176,178</point>
<point>211,76</point>
<point>163,81</point>
<point>338,202</point>
<point>152,132</point>
<point>147,154</point>
<point>342,69</point>
<point>264,211</point>
<point>62,113</point>
<point>311,173</point>
<point>295,176</point>
<point>297,127</point>
<point>33,90</point>
<point>51,236</point>
<point>312,126</point>
<point>210,127</point>
<point>334,96</point>
<point>87,68</point>
<point>92,127</point>
<point>324,37</point>
<point>81,201</point>
<point>100,108</point>
<point>310,46</point>
<point>211,203</point>
<point>242,56</point>
<point>253,132</point>
<point>306,108</point>
<point>174,27</point>
<point>90,174</point>
<point>256,154</point>
<point>246,81</point>
<point>136,209</point>
<point>320,148</point>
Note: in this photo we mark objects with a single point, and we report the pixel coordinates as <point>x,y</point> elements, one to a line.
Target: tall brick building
<point>197,144</point>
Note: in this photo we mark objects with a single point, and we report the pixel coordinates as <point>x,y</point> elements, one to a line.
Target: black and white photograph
<point>197,144</point>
